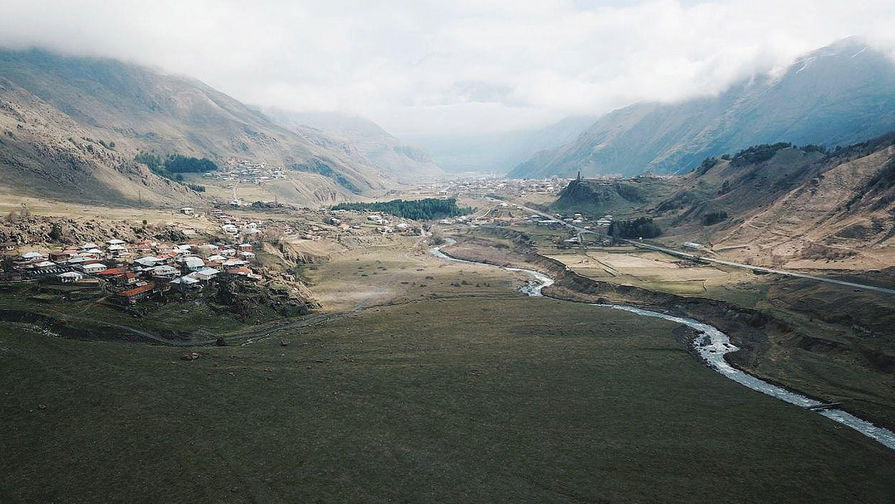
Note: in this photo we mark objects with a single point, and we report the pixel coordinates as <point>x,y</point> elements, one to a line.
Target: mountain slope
<point>360,139</point>
<point>775,204</point>
<point>56,109</point>
<point>837,95</point>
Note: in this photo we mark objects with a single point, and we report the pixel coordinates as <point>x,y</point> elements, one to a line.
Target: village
<point>217,247</point>
<point>243,171</point>
<point>131,272</point>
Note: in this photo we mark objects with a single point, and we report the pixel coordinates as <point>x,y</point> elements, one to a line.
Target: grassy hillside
<point>776,204</point>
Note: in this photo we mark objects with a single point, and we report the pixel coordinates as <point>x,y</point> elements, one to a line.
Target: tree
<point>641,227</point>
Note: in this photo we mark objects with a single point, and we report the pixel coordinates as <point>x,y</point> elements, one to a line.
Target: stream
<point>712,345</point>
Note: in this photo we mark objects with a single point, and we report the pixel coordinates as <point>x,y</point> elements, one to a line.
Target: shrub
<point>641,227</point>
<point>707,164</point>
<point>712,218</point>
<point>758,153</point>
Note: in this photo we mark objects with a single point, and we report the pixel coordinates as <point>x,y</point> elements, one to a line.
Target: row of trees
<point>757,153</point>
<point>175,163</point>
<point>423,209</point>
<point>712,218</point>
<point>174,166</point>
<point>641,227</point>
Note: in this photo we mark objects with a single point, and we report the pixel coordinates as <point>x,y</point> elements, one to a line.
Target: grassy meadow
<point>439,400</point>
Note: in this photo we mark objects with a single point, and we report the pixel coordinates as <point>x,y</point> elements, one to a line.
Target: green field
<point>457,400</point>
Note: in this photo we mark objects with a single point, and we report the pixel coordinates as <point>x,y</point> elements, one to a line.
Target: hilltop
<point>778,202</point>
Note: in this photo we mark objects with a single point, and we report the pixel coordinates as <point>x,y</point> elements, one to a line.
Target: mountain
<point>498,152</point>
<point>71,127</point>
<point>802,206</point>
<point>837,95</point>
<point>360,139</point>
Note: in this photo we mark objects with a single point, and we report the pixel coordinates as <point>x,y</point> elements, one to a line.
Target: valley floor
<point>424,381</point>
<point>442,400</point>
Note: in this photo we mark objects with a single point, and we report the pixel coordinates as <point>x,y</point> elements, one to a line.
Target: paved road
<point>694,257</point>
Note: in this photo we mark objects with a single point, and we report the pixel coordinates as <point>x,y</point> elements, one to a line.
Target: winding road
<point>698,258</point>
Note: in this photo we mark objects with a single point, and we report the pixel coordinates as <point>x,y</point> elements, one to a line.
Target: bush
<point>725,188</point>
<point>707,164</point>
<point>183,164</point>
<point>758,153</point>
<point>712,218</point>
<point>641,227</point>
<point>424,209</point>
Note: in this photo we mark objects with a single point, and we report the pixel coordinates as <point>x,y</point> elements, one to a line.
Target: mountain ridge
<point>835,95</point>
<point>64,105</point>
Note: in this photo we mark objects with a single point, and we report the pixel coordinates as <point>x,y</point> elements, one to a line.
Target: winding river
<point>712,345</point>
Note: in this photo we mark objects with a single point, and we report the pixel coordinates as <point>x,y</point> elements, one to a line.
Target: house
<point>247,256</point>
<point>7,246</point>
<point>131,296</point>
<point>186,211</point>
<point>193,263</point>
<point>148,261</point>
<point>208,248</point>
<point>88,246</point>
<point>110,273</point>
<point>187,281</point>
<point>165,272</point>
<point>61,255</point>
<point>115,241</point>
<point>143,248</point>
<point>245,247</point>
<point>32,256</point>
<point>206,274</point>
<point>93,268</point>
<point>242,271</point>
<point>70,276</point>
<point>118,250</point>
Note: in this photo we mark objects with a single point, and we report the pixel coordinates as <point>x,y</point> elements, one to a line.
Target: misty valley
<point>557,282</point>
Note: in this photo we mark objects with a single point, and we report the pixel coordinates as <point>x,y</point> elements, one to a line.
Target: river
<point>712,345</point>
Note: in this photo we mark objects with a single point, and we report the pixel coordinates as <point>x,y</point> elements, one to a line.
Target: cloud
<point>466,65</point>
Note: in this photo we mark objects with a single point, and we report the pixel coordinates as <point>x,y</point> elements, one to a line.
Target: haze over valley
<point>468,252</point>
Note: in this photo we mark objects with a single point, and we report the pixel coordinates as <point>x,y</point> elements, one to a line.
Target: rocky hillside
<point>71,127</point>
<point>837,95</point>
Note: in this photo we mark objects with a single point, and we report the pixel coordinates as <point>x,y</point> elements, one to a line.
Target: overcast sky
<point>421,66</point>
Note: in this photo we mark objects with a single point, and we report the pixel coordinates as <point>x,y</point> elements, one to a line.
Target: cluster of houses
<point>132,272</point>
<point>484,186</point>
<point>243,171</point>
